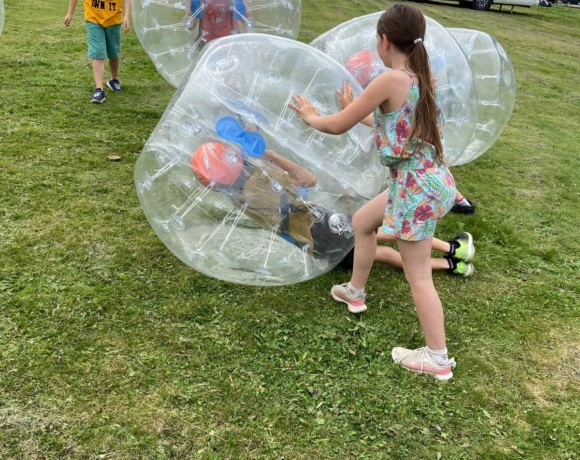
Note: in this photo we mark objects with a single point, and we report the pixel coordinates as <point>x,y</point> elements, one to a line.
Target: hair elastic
<point>417,40</point>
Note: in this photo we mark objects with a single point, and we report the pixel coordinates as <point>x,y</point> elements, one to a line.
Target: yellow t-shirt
<point>104,12</point>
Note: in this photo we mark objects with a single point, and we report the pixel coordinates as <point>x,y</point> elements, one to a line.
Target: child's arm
<point>126,14</point>
<point>345,98</point>
<point>71,11</point>
<point>301,177</point>
<point>380,90</point>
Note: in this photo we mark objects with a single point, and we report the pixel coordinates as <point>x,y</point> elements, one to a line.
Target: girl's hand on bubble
<point>346,96</point>
<point>304,107</point>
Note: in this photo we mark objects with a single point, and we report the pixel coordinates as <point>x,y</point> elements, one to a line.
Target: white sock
<point>439,356</point>
<point>354,291</point>
<point>463,201</point>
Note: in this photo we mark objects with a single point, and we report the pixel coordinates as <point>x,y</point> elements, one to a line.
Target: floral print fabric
<point>422,190</point>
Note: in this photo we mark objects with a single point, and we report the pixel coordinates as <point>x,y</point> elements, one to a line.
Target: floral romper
<point>422,190</point>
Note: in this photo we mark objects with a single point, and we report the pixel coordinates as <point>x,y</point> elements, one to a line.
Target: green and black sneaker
<point>462,247</point>
<point>459,267</point>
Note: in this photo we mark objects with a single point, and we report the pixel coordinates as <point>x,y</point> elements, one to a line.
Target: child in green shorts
<point>104,19</point>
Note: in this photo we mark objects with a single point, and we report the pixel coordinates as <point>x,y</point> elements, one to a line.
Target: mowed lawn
<point>111,348</point>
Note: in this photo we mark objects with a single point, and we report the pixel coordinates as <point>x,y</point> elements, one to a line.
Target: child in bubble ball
<point>408,121</point>
<point>272,192</point>
<point>218,18</point>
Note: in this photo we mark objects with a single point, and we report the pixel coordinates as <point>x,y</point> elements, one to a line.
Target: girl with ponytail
<point>403,106</point>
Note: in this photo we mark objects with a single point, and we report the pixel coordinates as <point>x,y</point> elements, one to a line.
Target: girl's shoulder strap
<point>410,74</point>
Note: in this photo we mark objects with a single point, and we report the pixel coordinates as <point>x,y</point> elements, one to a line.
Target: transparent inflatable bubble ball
<point>236,185</point>
<point>173,32</point>
<point>496,89</point>
<point>353,44</point>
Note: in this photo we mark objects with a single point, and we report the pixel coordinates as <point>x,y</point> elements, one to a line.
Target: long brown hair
<point>403,25</point>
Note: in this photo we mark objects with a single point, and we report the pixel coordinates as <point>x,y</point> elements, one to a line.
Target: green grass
<point>110,348</point>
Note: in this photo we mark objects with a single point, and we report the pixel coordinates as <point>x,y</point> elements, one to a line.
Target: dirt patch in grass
<point>558,368</point>
<point>25,427</point>
<point>528,193</point>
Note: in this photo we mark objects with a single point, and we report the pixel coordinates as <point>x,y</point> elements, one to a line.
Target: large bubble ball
<point>353,44</point>
<point>496,88</point>
<point>173,32</point>
<point>236,185</point>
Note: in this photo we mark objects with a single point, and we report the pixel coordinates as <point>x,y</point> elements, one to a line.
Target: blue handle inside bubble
<point>229,129</point>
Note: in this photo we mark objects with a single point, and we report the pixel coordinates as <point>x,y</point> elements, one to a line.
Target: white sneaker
<point>421,361</point>
<point>356,304</point>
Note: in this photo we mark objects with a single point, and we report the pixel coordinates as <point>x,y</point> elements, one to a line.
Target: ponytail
<point>425,128</point>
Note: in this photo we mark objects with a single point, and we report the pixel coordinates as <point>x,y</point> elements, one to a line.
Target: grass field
<point>110,348</point>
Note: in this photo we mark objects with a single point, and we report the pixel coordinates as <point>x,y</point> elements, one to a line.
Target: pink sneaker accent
<point>420,360</point>
<point>356,304</point>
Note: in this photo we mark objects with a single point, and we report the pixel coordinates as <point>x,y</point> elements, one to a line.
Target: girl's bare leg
<point>365,221</point>
<point>415,256</point>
